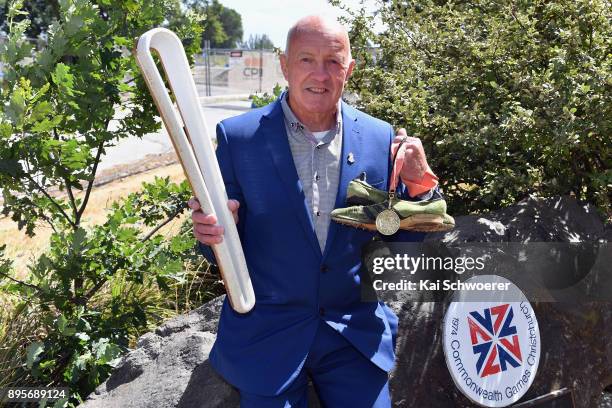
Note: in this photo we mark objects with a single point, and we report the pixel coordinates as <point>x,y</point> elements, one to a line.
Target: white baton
<point>196,153</point>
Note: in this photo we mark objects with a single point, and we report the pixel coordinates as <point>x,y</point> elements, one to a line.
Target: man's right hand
<point>205,227</point>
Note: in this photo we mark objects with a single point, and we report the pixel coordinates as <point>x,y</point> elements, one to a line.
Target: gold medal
<point>387,222</point>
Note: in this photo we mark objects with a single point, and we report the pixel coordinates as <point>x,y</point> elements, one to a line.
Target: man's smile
<point>316,90</point>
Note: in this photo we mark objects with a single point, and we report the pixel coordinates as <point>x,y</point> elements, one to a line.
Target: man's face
<point>316,69</point>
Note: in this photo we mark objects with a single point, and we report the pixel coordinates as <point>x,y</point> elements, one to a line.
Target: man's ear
<point>349,71</point>
<point>283,63</point>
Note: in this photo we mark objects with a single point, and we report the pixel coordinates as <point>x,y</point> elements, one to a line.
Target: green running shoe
<point>361,193</point>
<point>425,216</point>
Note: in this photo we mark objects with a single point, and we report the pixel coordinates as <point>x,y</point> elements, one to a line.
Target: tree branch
<point>44,217</point>
<point>55,203</point>
<point>68,188</point>
<point>513,13</point>
<point>158,227</point>
<point>29,285</point>
<point>414,42</point>
<point>71,196</point>
<point>42,212</point>
<point>91,181</point>
<point>87,296</point>
<point>79,281</point>
<point>94,289</point>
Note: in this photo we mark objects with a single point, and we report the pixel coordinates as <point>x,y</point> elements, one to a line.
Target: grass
<point>16,330</point>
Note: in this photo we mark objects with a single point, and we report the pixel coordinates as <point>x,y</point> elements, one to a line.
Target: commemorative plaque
<point>491,343</point>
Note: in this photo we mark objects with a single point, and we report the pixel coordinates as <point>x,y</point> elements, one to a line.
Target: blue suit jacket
<point>295,283</point>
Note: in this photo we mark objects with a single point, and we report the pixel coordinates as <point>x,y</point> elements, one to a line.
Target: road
<point>132,149</point>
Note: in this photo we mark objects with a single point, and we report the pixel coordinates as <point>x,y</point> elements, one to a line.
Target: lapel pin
<point>350,159</point>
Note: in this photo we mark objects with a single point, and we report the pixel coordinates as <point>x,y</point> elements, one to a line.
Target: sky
<point>275,17</point>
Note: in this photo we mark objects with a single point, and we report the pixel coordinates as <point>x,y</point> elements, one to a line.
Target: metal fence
<point>225,71</point>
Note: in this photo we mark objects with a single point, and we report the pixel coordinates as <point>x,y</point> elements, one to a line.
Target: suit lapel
<point>349,169</point>
<point>278,147</point>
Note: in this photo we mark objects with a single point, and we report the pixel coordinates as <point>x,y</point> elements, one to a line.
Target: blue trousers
<point>342,376</point>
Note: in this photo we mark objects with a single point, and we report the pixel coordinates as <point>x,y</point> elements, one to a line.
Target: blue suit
<point>296,284</point>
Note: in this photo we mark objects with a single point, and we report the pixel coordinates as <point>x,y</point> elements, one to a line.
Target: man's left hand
<point>415,163</point>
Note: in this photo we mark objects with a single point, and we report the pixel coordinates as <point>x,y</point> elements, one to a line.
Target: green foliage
<point>86,334</point>
<point>41,14</point>
<point>60,102</point>
<point>265,99</point>
<point>509,98</point>
<point>223,26</point>
<point>97,288</point>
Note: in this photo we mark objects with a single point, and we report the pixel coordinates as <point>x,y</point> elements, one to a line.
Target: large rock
<point>169,368</point>
<point>576,346</point>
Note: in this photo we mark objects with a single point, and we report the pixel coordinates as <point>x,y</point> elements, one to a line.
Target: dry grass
<point>22,249</point>
<point>17,329</point>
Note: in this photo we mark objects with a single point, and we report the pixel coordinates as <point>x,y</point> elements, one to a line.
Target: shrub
<point>95,288</point>
<point>265,99</point>
<point>509,98</point>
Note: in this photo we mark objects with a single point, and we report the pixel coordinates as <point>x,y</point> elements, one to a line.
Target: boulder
<point>170,368</point>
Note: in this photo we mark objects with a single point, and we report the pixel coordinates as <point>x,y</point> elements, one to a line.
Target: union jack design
<point>494,340</point>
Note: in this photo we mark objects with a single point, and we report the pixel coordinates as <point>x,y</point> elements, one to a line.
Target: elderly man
<point>286,167</point>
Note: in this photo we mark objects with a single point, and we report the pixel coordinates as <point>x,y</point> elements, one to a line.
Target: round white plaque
<point>491,343</point>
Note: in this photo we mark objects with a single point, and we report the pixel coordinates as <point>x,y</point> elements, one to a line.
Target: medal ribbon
<point>398,163</point>
<point>387,221</point>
